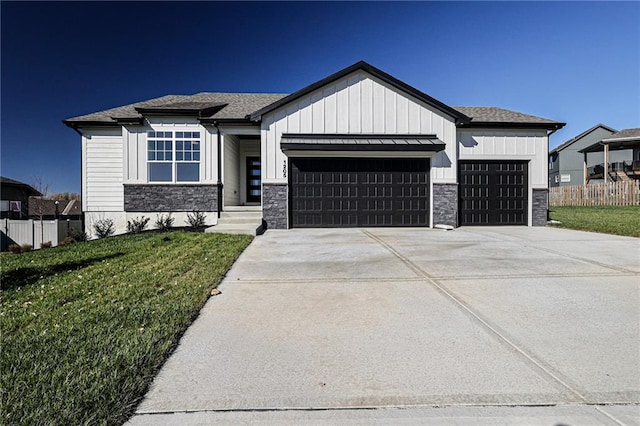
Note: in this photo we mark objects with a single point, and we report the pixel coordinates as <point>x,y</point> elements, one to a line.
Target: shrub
<point>26,247</point>
<point>77,235</point>
<point>104,228</point>
<point>137,225</point>
<point>46,244</point>
<point>164,223</point>
<point>15,249</point>
<point>67,241</point>
<point>196,220</point>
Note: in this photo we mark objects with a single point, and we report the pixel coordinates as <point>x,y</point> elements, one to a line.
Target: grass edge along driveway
<point>86,327</point>
<point>617,220</point>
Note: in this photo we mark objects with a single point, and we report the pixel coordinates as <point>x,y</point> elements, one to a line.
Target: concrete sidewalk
<point>317,325</point>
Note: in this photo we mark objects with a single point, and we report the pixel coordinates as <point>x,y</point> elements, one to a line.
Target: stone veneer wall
<point>275,206</point>
<point>540,207</point>
<point>170,198</point>
<point>445,204</point>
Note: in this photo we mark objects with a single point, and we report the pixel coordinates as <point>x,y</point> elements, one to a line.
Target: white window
<point>173,156</point>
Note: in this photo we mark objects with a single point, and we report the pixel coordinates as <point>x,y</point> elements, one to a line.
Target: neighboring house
<point>55,209</point>
<point>15,198</point>
<point>358,148</point>
<point>618,157</point>
<point>566,162</point>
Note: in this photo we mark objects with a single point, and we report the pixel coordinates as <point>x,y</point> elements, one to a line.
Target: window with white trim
<point>173,156</point>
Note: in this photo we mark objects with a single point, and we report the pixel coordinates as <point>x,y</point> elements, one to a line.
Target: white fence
<point>34,232</point>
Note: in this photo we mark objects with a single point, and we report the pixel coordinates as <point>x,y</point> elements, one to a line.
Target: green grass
<point>86,327</point>
<point>618,220</point>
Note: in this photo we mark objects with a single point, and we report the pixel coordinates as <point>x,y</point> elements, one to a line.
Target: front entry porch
<point>242,177</point>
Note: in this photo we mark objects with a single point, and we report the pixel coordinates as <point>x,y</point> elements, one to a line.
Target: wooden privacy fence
<point>622,193</point>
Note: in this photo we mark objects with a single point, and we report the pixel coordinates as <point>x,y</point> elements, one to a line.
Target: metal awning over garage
<point>360,142</point>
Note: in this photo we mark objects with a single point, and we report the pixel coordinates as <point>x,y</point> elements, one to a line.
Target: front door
<point>254,180</point>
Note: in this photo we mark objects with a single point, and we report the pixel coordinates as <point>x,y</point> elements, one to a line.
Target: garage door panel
<point>360,192</point>
<point>493,192</point>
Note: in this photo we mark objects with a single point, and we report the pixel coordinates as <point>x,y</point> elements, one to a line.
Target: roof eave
<point>75,124</point>
<point>504,124</point>
<point>214,121</point>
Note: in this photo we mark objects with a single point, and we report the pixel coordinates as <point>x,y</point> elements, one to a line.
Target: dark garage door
<point>346,192</point>
<point>493,192</point>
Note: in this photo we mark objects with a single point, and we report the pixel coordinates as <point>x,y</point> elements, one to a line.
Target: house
<point>15,198</point>
<point>357,148</point>
<point>619,155</point>
<point>55,209</point>
<point>566,163</point>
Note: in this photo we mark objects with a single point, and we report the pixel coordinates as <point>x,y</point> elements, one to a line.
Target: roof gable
<point>28,189</point>
<point>575,139</point>
<point>375,72</point>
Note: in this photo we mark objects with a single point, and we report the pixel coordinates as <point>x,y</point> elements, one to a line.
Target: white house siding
<point>102,151</point>
<point>231,167</point>
<point>357,104</point>
<point>500,144</point>
<point>135,151</point>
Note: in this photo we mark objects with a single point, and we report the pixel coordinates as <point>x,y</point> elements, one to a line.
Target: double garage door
<point>350,192</point>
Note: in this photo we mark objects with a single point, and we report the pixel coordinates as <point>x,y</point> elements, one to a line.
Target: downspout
<point>215,124</point>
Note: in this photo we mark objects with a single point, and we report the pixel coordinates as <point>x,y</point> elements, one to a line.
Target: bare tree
<point>40,204</point>
<point>65,196</point>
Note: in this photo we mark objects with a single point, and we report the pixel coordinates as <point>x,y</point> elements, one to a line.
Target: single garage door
<point>349,192</point>
<point>493,192</point>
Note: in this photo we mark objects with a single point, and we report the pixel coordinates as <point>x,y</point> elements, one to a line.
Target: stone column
<point>275,205</point>
<point>445,204</point>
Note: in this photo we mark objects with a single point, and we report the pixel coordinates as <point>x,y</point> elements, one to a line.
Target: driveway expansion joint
<point>485,324</point>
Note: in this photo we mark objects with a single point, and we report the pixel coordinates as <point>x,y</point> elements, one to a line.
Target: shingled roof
<point>8,182</point>
<point>624,134</point>
<point>211,106</point>
<point>487,116</point>
<point>220,106</point>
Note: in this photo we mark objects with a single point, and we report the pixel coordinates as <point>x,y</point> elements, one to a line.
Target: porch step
<point>242,208</point>
<point>240,220</point>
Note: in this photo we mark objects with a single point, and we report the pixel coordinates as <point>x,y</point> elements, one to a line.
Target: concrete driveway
<point>508,318</point>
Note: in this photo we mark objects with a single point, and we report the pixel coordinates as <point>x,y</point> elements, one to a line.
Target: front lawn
<point>619,220</point>
<point>86,327</point>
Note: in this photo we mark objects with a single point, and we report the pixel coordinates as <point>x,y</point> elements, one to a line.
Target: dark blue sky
<point>574,62</point>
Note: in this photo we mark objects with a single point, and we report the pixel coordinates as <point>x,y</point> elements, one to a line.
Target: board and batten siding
<point>501,144</point>
<point>357,104</point>
<point>102,159</point>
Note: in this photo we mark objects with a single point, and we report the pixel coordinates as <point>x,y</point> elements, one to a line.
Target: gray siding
<point>170,198</point>
<point>571,161</point>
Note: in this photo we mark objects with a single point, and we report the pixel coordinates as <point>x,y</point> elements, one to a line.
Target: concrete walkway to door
<point>492,325</point>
